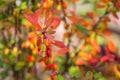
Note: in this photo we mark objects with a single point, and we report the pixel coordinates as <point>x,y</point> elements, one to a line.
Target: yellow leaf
<point>84,55</point>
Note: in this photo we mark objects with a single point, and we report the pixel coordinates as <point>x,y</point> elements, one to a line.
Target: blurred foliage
<point>27,30</point>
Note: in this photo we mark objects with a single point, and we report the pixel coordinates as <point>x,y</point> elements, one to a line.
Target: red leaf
<point>100,5</point>
<point>59,44</point>
<point>91,14</point>
<point>104,59</point>
<point>62,51</point>
<point>33,18</point>
<point>55,23</point>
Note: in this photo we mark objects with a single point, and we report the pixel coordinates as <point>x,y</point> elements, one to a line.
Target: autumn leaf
<point>100,5</point>
<point>95,44</point>
<point>81,28</point>
<point>55,23</point>
<point>73,19</point>
<point>65,5</point>
<point>62,51</point>
<point>116,71</point>
<point>73,1</point>
<point>104,59</point>
<point>33,18</point>
<point>59,44</point>
<point>84,55</point>
<point>91,14</point>
<point>111,46</point>
<point>79,62</point>
<point>104,1</point>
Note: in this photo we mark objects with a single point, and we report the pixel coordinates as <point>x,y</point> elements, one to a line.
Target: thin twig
<point>69,38</point>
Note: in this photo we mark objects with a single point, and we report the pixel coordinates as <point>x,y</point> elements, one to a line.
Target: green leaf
<point>18,66</point>
<point>97,75</point>
<point>1,46</point>
<point>81,28</point>
<point>23,5</point>
<point>67,0</point>
<point>43,47</point>
<point>24,21</point>
<point>2,3</point>
<point>99,40</point>
<point>74,71</point>
<point>101,11</point>
<point>2,16</point>
<point>93,35</point>
<point>86,1</point>
<point>59,77</point>
<point>102,78</point>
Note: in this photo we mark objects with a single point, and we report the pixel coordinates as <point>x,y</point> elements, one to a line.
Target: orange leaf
<point>107,32</point>
<point>104,1</point>
<point>111,46</point>
<point>73,1</point>
<point>79,62</point>
<point>96,45</point>
<point>64,4</point>
<point>73,19</point>
<point>116,71</point>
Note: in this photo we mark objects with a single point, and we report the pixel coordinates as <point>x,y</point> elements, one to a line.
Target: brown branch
<point>67,57</point>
